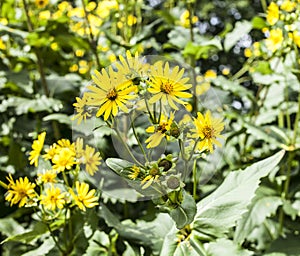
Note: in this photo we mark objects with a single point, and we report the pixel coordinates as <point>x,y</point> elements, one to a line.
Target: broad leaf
<point>218,212</point>
<point>263,206</point>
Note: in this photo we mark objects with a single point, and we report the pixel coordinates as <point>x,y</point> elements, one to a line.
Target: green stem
<point>264,5</point>
<point>296,123</point>
<point>55,240</point>
<point>195,179</point>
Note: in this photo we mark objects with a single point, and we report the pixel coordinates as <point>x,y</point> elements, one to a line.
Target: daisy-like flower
<point>84,198</point>
<point>65,159</point>
<point>53,198</point>
<point>41,3</point>
<point>81,108</point>
<point>37,147</point>
<point>135,172</point>
<point>168,85</point>
<point>131,67</point>
<point>153,176</point>
<point>111,93</point>
<point>288,6</point>
<point>50,152</point>
<point>48,176</point>
<point>274,41</point>
<point>159,131</point>
<point>20,191</point>
<point>207,129</point>
<point>272,13</point>
<point>91,160</point>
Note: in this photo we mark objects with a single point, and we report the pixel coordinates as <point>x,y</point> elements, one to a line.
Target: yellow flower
<point>159,131</point>
<point>185,19</point>
<point>226,71</point>
<point>104,8</point>
<point>288,6</point>
<point>210,74</point>
<point>37,147</point>
<point>47,177</point>
<point>131,20</point>
<point>135,172</point>
<point>83,67</point>
<point>153,176</point>
<point>54,46</point>
<point>20,191</point>
<point>41,3</point>
<point>64,159</point>
<point>91,160</point>
<point>296,37</point>
<point>111,93</point>
<point>84,198</point>
<point>247,52</point>
<point>76,12</point>
<point>274,41</point>
<point>131,67</point>
<point>50,152</point>
<point>272,13</point>
<point>53,199</point>
<point>2,45</point>
<point>73,68</point>
<point>168,84</point>
<point>207,129</point>
<point>45,15</point>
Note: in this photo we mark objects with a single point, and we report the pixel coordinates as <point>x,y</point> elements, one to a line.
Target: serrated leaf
<point>241,28</point>
<point>219,211</point>
<point>262,206</point>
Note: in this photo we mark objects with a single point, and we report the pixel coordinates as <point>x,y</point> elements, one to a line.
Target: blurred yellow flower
<point>168,85</point>
<point>248,52</point>
<point>79,52</point>
<point>2,45</point>
<point>53,198</point>
<point>48,176</point>
<point>64,5</point>
<point>73,68</point>
<point>295,36</point>
<point>112,57</point>
<point>274,41</point>
<point>45,15</point>
<point>185,19</point>
<point>91,6</point>
<point>84,198</point>
<point>41,3</point>
<point>76,12</point>
<point>81,108</point>
<point>83,67</point>
<point>131,20</point>
<point>226,71</point>
<point>105,7</point>
<point>37,147</point>
<point>288,6</point>
<point>207,129</point>
<point>20,191</point>
<point>202,88</point>
<point>54,46</point>
<point>91,160</point>
<point>210,74</point>
<point>272,13</point>
<point>3,21</point>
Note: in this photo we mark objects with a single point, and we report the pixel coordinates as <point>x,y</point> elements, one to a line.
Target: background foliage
<point>48,50</point>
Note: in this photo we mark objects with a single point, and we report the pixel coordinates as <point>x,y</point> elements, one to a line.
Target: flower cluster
<point>159,91</point>
<point>51,189</point>
<point>281,30</point>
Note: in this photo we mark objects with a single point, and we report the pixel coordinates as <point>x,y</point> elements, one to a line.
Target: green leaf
<point>119,166</point>
<point>258,22</point>
<point>98,244</point>
<point>263,205</point>
<point>219,211</point>
<point>43,249</point>
<point>184,213</point>
<point>10,227</point>
<point>61,118</point>
<point>38,230</point>
<point>241,28</point>
<point>226,247</point>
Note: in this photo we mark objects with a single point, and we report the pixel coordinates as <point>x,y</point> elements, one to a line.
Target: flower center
<point>166,87</point>
<point>112,95</point>
<point>162,128</point>
<point>208,132</point>
<point>154,171</point>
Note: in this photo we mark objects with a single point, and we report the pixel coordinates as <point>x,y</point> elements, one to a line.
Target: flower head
<point>91,160</point>
<point>84,198</point>
<point>111,93</point>
<point>159,131</point>
<point>274,41</point>
<point>168,85</point>
<point>272,13</point>
<point>81,109</point>
<point>37,147</point>
<point>20,191</point>
<point>207,129</point>
<point>64,159</point>
<point>48,176</point>
<point>41,3</point>
<point>53,198</point>
<point>153,176</point>
<point>135,172</point>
